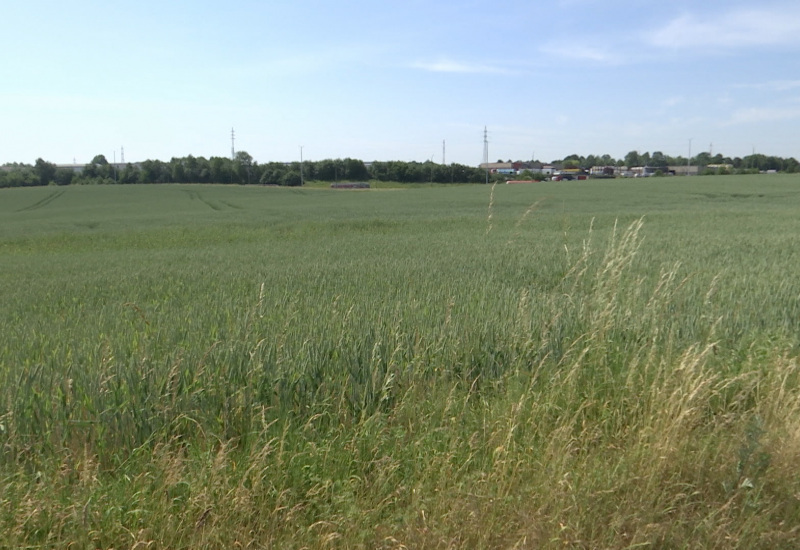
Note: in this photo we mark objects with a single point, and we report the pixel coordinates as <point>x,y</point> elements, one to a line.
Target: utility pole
<point>233,154</point>
<point>443,151</point>
<point>301,167</point>
<point>122,154</point>
<point>486,152</point>
<point>689,160</point>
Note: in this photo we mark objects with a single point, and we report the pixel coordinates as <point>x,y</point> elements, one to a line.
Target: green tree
<point>63,176</point>
<point>309,170</point>
<point>526,175</point>
<point>129,174</point>
<point>154,171</point>
<point>702,160</point>
<point>194,169</point>
<point>21,175</point>
<point>272,173</point>
<point>326,170</point>
<point>97,171</point>
<point>355,169</point>
<point>291,178</point>
<point>45,171</point>
<point>658,160</point>
<point>220,170</point>
<point>177,171</point>
<point>243,165</point>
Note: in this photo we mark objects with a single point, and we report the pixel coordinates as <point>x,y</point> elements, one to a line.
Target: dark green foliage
<point>45,171</point>
<point>18,175</point>
<point>63,176</point>
<point>425,172</point>
<point>244,170</point>
<point>291,178</point>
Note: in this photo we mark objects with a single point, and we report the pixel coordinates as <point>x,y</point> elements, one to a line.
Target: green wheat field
<point>601,364</point>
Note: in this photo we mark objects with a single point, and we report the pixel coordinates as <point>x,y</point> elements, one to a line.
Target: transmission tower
<point>233,138</point>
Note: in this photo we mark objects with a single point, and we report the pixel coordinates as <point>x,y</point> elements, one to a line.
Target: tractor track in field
<point>231,205</point>
<point>43,202</point>
<point>211,204</point>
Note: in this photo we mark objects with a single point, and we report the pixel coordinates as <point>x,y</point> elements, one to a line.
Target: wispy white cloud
<point>668,106</point>
<point>332,57</point>
<point>579,52</point>
<point>724,100</point>
<point>672,101</point>
<point>446,65</point>
<point>772,86</point>
<point>756,115</point>
<point>762,26</point>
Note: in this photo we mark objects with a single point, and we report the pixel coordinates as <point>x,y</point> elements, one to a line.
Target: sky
<point>408,80</point>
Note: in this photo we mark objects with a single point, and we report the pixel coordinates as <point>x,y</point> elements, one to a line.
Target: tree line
<point>243,170</point>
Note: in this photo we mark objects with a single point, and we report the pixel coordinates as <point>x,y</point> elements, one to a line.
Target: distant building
<point>535,168</point>
<point>78,168</point>
<point>683,170</point>
<point>499,167</point>
<point>647,171</point>
<point>546,169</point>
<point>602,171</point>
<point>721,168</point>
<point>569,174</point>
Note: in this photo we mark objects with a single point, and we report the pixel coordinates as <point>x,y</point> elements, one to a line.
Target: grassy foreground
<point>580,365</point>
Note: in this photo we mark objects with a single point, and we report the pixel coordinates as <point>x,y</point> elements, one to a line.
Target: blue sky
<point>390,80</point>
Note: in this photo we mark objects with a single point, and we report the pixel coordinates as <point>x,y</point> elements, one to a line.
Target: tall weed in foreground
<point>577,417</point>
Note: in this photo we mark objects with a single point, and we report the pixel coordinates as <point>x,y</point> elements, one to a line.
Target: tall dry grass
<point>599,427</point>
